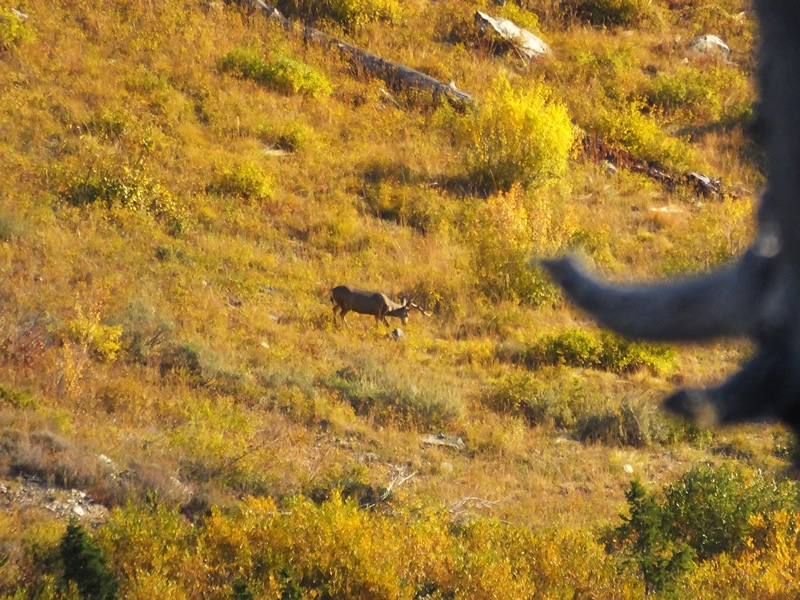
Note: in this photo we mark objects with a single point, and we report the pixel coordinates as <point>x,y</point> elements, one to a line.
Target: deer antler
<point>419,308</point>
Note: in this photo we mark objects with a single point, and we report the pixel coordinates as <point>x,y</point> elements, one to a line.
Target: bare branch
<point>460,507</point>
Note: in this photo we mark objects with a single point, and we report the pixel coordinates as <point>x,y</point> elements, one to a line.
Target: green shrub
<point>349,484</point>
<point>132,190</point>
<point>110,123</point>
<point>245,180</point>
<point>248,63</point>
<point>16,398</point>
<point>708,512</point>
<point>11,227</point>
<point>600,350</point>
<point>619,13</point>
<point>514,11</point>
<point>641,134</point>
<point>710,508</point>
<point>615,69</point>
<point>349,13</point>
<point>403,204</point>
<point>13,29</point>
<point>539,402</point>
<point>686,89</point>
<point>240,590</point>
<point>520,136</point>
<point>290,389</point>
<point>201,366</point>
<point>619,426</point>
<point>86,565</point>
<point>284,74</point>
<point>644,541</point>
<point>292,76</point>
<point>295,137</point>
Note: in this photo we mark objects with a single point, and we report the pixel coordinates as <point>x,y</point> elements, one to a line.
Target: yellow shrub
<point>769,569</point>
<point>350,13</point>
<point>153,551</point>
<point>102,341</point>
<point>245,180</point>
<point>642,136</point>
<point>13,30</point>
<point>503,237</point>
<point>515,136</point>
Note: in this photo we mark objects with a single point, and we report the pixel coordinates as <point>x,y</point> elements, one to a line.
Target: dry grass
<point>221,376</point>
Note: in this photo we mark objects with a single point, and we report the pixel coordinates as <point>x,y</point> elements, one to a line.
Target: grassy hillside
<point>183,184</point>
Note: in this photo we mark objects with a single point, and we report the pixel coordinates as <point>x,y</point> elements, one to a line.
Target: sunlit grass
<point>169,234</point>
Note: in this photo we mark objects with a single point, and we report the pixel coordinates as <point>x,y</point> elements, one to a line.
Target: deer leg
<point>342,312</point>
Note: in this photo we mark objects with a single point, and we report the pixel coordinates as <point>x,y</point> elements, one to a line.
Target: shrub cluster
<point>687,89</point>
<point>505,233</point>
<point>16,398</point>
<point>615,13</point>
<point>283,74</point>
<point>630,125</point>
<point>349,13</point>
<point>245,180</point>
<point>337,550</point>
<point>131,189</point>
<point>13,29</point>
<point>517,136</point>
<point>102,341</point>
<point>388,396</point>
<point>616,426</point>
<point>594,350</point>
<point>200,366</point>
<point>570,404</point>
<point>708,512</point>
<point>538,401</point>
<point>85,564</point>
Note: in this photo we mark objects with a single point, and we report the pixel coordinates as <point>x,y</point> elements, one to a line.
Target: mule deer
<point>346,299</point>
<point>756,297</point>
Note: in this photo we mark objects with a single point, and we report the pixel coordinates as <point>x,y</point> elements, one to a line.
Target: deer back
<point>362,301</point>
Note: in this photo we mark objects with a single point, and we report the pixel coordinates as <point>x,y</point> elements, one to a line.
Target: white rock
<point>706,44</point>
<point>523,40</point>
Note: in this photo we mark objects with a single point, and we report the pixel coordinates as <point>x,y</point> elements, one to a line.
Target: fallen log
<point>600,151</point>
<point>395,74</point>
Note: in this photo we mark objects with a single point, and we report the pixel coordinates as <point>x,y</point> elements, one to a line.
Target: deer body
<point>347,299</point>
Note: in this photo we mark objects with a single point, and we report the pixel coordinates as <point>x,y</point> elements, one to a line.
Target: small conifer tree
<point>85,564</point>
<point>645,539</point>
